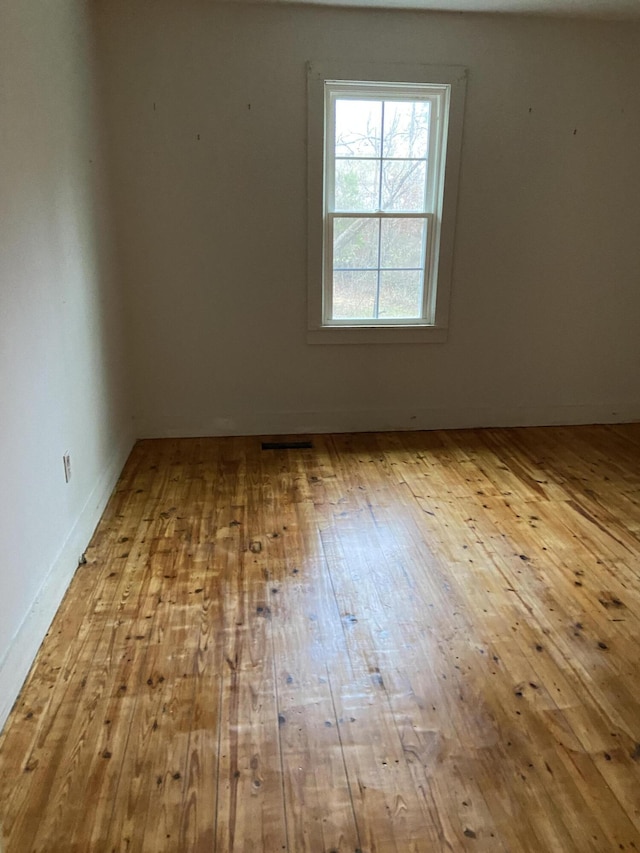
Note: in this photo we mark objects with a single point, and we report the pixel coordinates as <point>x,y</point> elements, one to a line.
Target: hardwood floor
<point>391,642</point>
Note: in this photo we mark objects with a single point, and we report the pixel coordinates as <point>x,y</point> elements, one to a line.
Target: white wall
<point>62,371</point>
<point>212,206</point>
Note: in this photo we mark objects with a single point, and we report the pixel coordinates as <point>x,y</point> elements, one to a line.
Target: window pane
<point>357,185</point>
<point>406,128</point>
<point>354,295</point>
<point>401,242</point>
<point>400,294</point>
<point>355,243</point>
<point>403,185</point>
<point>358,128</point>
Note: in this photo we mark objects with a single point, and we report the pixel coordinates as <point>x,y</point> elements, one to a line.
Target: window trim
<point>319,331</point>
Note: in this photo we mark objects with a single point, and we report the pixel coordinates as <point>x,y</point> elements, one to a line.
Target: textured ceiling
<point>598,9</point>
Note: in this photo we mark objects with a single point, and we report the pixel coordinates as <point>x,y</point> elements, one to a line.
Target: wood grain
<point>403,642</point>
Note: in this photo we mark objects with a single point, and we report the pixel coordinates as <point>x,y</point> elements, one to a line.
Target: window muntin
<point>383,169</point>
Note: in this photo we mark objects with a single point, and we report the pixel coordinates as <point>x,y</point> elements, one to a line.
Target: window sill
<point>377,335</point>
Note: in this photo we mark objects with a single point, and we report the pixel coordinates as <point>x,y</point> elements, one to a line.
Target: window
<point>380,222</point>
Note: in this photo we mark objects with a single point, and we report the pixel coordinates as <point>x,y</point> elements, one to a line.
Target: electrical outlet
<point>66,461</point>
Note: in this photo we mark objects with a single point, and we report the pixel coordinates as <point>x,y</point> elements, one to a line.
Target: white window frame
<point>446,86</point>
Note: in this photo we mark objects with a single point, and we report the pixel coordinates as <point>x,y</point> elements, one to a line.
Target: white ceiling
<point>599,9</point>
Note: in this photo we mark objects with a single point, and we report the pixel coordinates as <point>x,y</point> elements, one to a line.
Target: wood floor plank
<point>250,805</point>
<point>385,643</point>
<point>307,639</point>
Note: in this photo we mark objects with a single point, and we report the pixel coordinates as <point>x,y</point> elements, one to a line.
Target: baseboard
<point>274,423</point>
<point>18,659</point>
